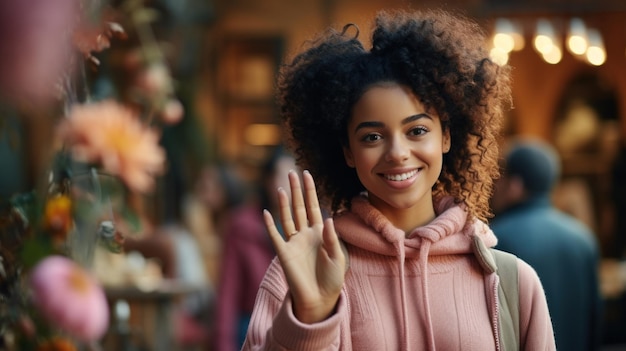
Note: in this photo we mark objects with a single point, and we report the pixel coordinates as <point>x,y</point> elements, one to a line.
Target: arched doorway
<point>586,133</point>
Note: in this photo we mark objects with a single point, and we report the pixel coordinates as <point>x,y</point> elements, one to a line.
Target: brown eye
<point>370,138</point>
<point>418,131</point>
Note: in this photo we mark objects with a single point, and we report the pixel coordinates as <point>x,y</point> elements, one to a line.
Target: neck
<point>410,218</point>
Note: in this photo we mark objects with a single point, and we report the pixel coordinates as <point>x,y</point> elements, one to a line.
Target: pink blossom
<point>172,111</point>
<point>108,134</point>
<point>35,43</point>
<point>70,298</point>
<point>154,80</point>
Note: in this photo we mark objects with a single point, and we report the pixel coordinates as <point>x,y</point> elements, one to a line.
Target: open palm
<point>311,255</point>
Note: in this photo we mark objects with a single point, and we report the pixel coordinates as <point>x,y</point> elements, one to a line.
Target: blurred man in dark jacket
<point>562,250</point>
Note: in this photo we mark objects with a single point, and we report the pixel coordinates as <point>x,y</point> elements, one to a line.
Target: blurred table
<point>152,309</point>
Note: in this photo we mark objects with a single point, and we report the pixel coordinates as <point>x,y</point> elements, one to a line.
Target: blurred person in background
<point>562,250</point>
<point>218,190</point>
<point>247,252</point>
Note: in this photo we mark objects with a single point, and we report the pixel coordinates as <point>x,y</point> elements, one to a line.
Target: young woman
<point>401,140</point>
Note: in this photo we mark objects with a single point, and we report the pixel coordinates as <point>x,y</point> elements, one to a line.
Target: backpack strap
<point>508,296</point>
<point>504,265</point>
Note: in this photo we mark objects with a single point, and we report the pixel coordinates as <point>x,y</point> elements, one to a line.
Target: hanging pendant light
<point>544,36</point>
<point>596,54</point>
<point>577,42</point>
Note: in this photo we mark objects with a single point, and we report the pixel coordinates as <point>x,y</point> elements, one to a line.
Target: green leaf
<point>35,250</point>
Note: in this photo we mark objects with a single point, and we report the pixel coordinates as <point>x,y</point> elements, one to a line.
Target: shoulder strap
<point>508,295</point>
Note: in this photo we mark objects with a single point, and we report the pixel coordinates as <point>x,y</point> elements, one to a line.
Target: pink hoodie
<point>425,291</point>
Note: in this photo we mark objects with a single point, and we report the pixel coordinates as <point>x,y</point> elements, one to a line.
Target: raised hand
<point>311,255</point>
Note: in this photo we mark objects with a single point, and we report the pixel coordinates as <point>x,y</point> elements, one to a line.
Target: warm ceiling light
<point>544,37</point>
<point>596,55</point>
<point>502,38</point>
<point>553,56</point>
<point>577,37</point>
<point>503,42</point>
<point>499,56</point>
<point>508,36</point>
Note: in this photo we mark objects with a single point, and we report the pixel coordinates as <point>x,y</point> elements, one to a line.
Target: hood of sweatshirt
<point>448,233</point>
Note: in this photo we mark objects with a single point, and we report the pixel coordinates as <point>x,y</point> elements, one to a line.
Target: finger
<point>331,240</point>
<point>313,206</point>
<point>274,234</point>
<point>285,213</point>
<point>297,201</point>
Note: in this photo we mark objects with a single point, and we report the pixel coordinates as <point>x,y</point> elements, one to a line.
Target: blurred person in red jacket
<point>247,252</point>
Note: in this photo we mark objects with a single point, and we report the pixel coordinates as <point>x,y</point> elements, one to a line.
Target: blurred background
<point>569,88</point>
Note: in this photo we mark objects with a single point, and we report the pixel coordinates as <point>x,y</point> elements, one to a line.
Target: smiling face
<point>397,149</point>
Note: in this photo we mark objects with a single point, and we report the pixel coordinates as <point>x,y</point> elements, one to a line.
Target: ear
<point>516,187</point>
<point>446,142</point>
<point>347,155</point>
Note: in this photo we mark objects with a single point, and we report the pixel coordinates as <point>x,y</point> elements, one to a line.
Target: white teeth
<point>400,177</point>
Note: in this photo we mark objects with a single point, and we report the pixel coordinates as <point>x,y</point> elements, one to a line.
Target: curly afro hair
<point>441,57</point>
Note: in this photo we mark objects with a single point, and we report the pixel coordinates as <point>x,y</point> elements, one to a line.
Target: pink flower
<point>155,80</point>
<point>172,111</point>
<point>35,45</point>
<point>111,135</point>
<point>70,298</point>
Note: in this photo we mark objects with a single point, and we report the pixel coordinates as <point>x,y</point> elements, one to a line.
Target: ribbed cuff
<point>292,334</point>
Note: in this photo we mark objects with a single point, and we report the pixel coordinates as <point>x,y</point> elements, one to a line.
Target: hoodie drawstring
<point>423,261</point>
<point>424,251</point>
<point>405,315</point>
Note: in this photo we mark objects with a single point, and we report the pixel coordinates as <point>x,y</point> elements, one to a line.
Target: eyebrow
<point>374,124</point>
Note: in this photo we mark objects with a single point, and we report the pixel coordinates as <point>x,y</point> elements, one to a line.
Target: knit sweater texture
<point>421,291</point>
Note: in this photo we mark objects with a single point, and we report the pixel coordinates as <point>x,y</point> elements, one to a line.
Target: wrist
<point>315,313</point>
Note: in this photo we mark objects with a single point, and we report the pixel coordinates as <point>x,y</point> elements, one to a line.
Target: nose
<point>398,150</point>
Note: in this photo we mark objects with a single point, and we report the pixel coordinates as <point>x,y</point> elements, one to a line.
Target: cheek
<point>432,151</point>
